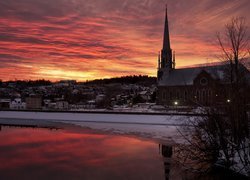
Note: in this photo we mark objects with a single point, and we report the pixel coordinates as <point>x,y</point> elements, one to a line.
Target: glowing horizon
<point>86,40</point>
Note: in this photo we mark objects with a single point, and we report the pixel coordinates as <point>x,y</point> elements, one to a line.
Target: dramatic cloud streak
<point>88,39</point>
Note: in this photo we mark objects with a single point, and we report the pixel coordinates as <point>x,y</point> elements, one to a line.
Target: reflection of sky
<point>87,39</point>
<point>30,153</point>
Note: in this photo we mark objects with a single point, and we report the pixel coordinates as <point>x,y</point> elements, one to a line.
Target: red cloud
<point>55,40</point>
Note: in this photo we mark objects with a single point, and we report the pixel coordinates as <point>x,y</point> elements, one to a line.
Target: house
<point>17,104</point>
<point>34,102</point>
<point>62,105</point>
<point>145,95</point>
<point>100,97</point>
<point>5,103</point>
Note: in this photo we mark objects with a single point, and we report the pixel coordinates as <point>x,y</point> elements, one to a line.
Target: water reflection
<point>28,153</point>
<point>166,151</point>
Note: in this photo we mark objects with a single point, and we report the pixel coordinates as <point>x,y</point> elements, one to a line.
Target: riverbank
<point>121,118</point>
<point>106,111</point>
<point>155,126</point>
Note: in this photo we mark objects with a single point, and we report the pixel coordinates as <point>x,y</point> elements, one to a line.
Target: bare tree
<point>222,135</point>
<point>234,45</point>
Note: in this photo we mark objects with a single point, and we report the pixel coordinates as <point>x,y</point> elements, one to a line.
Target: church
<point>196,86</point>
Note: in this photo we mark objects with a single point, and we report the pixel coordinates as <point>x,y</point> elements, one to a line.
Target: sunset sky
<point>90,39</point>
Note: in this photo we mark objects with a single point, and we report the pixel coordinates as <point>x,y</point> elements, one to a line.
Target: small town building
<point>62,105</point>
<point>5,103</point>
<point>17,104</point>
<point>145,95</point>
<point>34,102</point>
<point>100,97</point>
<point>65,83</point>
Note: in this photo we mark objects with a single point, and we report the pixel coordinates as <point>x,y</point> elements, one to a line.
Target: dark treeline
<point>140,79</point>
<point>134,79</point>
<point>27,83</point>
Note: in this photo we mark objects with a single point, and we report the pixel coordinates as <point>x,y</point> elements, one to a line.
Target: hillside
<point>142,80</point>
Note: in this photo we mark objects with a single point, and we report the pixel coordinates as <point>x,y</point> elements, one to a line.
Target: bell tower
<point>165,59</point>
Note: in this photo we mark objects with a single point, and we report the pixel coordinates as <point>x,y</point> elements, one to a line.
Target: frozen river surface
<point>150,126</point>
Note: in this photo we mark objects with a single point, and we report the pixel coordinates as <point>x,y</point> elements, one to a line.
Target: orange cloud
<point>88,40</point>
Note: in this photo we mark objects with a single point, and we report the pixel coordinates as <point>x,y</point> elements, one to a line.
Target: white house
<point>17,104</point>
<point>62,105</point>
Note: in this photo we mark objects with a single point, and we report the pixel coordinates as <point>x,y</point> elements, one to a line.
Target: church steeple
<point>166,41</point>
<point>166,52</point>
<point>159,60</point>
<point>174,61</point>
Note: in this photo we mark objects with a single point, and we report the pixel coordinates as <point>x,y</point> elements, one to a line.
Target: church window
<point>185,95</point>
<point>171,95</point>
<point>203,95</point>
<point>203,81</point>
<point>198,95</point>
<point>177,95</point>
<point>164,95</point>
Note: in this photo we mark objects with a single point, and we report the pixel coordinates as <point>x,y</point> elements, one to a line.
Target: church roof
<point>186,76</point>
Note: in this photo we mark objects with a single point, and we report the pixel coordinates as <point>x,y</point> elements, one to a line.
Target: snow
<point>95,117</point>
<point>162,127</point>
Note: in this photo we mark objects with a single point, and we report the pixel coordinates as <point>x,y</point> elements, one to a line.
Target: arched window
<point>185,95</point>
<point>177,95</point>
<point>163,95</point>
<point>203,95</point>
<point>170,95</point>
<point>198,95</point>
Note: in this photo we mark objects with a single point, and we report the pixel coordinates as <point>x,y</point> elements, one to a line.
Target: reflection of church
<point>166,152</point>
<point>189,86</point>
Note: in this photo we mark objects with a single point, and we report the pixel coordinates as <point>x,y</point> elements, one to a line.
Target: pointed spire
<point>159,60</point>
<point>166,53</point>
<point>166,41</point>
<point>174,61</point>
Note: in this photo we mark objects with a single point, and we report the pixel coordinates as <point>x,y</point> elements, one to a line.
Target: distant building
<point>65,83</point>
<point>51,105</point>
<point>62,105</point>
<point>17,104</point>
<point>145,95</point>
<point>90,104</point>
<point>34,102</point>
<point>100,97</point>
<point>46,103</point>
<point>5,103</point>
<point>189,86</point>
